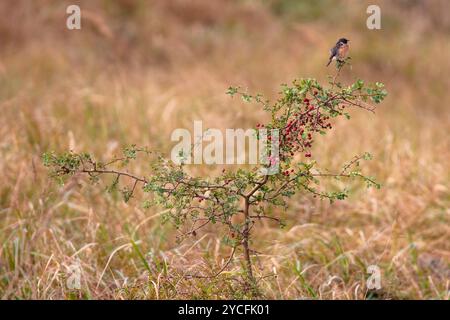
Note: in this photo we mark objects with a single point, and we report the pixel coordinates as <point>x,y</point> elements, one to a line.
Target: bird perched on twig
<point>339,51</point>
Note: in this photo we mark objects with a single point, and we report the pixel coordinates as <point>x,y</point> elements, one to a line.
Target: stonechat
<point>339,51</point>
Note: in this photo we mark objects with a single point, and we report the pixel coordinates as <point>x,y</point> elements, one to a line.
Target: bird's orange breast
<point>342,51</point>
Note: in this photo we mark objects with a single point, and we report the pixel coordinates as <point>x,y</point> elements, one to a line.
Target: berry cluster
<point>297,134</point>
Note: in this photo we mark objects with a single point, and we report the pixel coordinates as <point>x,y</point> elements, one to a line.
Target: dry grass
<point>139,69</point>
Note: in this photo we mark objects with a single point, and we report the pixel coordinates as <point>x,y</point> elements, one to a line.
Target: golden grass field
<point>139,69</point>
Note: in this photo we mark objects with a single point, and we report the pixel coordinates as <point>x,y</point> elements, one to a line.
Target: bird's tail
<point>329,61</point>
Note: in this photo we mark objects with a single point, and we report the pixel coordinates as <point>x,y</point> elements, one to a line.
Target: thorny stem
<point>246,236</point>
<point>95,172</point>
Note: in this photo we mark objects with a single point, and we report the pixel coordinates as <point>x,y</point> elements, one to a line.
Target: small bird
<point>339,51</point>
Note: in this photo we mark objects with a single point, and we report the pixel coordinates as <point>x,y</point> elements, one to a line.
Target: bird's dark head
<point>343,40</point>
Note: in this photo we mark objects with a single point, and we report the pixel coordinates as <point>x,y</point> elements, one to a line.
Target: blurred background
<point>139,69</point>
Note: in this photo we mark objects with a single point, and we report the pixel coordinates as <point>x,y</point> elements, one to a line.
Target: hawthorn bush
<point>304,111</point>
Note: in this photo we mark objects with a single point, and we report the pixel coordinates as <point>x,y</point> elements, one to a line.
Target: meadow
<point>137,70</point>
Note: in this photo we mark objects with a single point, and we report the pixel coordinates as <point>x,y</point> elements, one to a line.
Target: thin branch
<point>257,187</point>
<point>266,217</point>
<point>119,173</point>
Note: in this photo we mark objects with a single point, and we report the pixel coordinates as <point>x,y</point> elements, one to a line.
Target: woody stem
<point>246,235</point>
